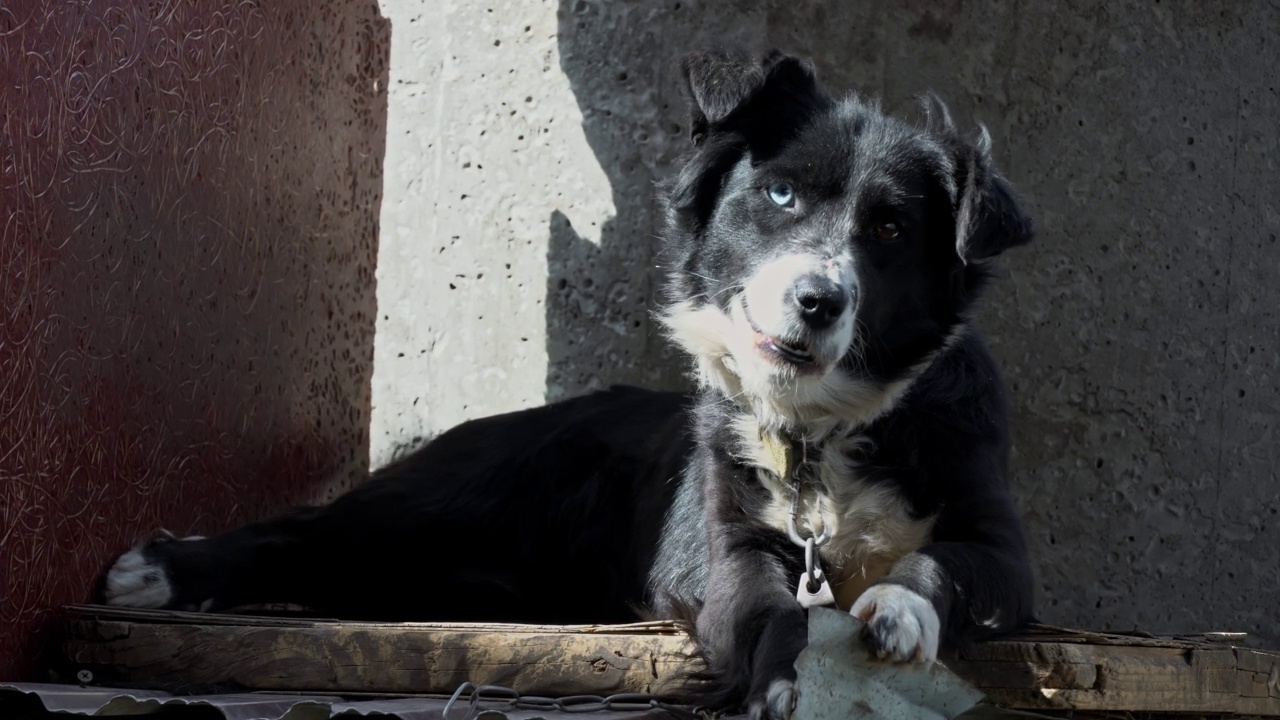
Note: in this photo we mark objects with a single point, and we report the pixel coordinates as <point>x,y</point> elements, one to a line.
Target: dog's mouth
<point>792,352</point>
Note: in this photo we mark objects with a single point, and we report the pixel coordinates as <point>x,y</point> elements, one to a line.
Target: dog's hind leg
<point>198,573</point>
<point>359,557</point>
<point>545,515</point>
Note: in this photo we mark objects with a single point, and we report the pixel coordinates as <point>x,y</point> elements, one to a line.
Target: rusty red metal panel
<point>189,195</point>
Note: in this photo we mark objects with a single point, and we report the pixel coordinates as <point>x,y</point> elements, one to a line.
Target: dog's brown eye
<point>888,231</point>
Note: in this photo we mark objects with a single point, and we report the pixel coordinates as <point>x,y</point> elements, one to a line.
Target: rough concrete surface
<point>1139,333</point>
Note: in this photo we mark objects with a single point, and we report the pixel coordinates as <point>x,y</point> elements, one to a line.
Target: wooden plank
<point>1151,679</point>
<point>1257,660</point>
<point>1152,676</point>
<point>1253,685</point>
<point>372,659</point>
<point>1052,652</point>
<point>106,612</point>
<point>1165,703</point>
<point>1023,676</point>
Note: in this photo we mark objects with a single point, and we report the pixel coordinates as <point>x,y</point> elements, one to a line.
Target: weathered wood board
<point>1067,670</point>
<point>1047,669</point>
<point>175,650</point>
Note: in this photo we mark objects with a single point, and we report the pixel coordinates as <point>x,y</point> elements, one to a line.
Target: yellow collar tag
<point>781,455</point>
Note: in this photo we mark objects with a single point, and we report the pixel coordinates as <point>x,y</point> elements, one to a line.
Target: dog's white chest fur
<point>871,525</point>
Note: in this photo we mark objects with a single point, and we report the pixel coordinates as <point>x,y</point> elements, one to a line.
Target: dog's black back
<point>549,515</point>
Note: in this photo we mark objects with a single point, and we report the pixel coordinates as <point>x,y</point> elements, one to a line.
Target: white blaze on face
<point>771,305</point>
<point>733,356</point>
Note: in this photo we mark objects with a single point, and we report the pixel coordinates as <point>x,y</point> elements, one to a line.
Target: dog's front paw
<point>776,703</point>
<point>901,625</point>
<point>141,577</point>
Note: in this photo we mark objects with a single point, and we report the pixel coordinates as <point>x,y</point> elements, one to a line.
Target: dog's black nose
<point>820,301</point>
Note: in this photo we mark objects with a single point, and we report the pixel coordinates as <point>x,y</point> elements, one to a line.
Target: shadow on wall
<point>621,60</point>
<point>600,297</point>
<point>1138,334</point>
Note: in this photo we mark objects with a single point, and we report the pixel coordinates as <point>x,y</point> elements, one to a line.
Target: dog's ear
<point>721,85</point>
<point>988,219</point>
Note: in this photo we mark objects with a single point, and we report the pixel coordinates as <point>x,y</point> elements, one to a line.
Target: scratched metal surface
<point>189,198</point>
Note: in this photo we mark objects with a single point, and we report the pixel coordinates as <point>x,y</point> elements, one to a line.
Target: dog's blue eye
<point>781,194</point>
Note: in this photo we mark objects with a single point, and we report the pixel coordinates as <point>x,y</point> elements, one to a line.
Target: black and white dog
<point>823,259</point>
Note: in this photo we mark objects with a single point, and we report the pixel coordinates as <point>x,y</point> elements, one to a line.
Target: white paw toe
<point>135,581</point>
<point>777,704</point>
<point>782,699</point>
<point>903,624</point>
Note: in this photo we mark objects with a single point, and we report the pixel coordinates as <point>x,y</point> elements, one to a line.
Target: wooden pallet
<point>1045,669</point>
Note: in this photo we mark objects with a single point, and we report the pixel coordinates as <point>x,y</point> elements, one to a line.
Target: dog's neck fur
<point>841,405</point>
<point>814,450</point>
<point>784,405</point>
<point>871,524</point>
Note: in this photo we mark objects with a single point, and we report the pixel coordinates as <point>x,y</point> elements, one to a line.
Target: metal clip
<point>813,590</point>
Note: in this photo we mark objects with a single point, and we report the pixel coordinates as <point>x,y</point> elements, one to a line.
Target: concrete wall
<point>1139,333</point>
<point>517,233</point>
<point>189,201</point>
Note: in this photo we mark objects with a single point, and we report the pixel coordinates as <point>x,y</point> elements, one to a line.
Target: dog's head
<point>821,253</point>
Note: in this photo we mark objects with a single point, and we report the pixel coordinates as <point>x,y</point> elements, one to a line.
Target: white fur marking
<point>778,703</point>
<point>765,299</point>
<point>133,581</point>
<point>136,582</point>
<point>766,290</point>
<point>915,627</point>
<point>724,347</point>
<point>871,524</point>
<point>782,698</point>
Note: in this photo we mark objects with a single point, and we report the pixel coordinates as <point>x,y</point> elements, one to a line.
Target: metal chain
<point>793,519</point>
<point>813,588</point>
<point>501,698</point>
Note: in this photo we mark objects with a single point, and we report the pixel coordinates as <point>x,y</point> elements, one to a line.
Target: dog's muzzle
<point>800,309</point>
<point>819,301</point>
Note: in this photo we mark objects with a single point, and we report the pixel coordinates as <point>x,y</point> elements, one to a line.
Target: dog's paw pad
<point>139,580</point>
<point>777,704</point>
<point>901,625</point>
